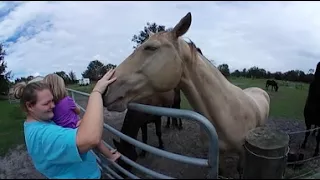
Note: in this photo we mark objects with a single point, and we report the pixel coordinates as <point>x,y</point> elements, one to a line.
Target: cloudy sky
<point>43,37</point>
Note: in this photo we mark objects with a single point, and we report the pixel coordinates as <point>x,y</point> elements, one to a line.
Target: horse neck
<point>206,89</point>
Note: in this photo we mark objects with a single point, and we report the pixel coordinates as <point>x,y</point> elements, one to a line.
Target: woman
<point>66,111</point>
<point>59,152</point>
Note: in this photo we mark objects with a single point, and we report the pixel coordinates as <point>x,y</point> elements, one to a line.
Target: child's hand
<point>78,123</point>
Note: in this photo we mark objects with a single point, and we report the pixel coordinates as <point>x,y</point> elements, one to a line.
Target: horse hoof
<point>303,146</point>
<point>167,126</point>
<point>180,128</point>
<point>161,147</point>
<point>315,154</point>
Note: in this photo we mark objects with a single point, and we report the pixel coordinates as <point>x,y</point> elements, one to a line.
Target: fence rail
<point>213,155</point>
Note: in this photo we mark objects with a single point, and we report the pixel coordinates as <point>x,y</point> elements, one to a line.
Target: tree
<point>310,71</point>
<point>224,69</point>
<point>244,72</point>
<point>96,69</point>
<point>106,68</point>
<point>4,76</point>
<point>64,76</point>
<point>109,66</point>
<point>72,77</point>
<point>236,73</point>
<point>29,78</point>
<point>144,35</point>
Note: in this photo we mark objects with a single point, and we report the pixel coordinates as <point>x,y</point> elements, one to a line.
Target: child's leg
<point>112,155</point>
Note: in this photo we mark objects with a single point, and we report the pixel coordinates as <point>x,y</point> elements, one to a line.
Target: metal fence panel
<point>213,155</point>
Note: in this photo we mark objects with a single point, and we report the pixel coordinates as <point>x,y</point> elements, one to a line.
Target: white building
<point>84,82</point>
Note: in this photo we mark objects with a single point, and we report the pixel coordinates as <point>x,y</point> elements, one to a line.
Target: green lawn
<point>288,102</point>
<point>11,126</point>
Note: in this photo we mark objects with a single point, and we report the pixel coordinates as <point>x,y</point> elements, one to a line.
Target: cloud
<point>44,37</point>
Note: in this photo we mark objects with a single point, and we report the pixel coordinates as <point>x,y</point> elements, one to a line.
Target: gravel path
<point>185,142</point>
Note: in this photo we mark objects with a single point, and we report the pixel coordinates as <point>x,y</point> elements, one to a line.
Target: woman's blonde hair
<point>28,92</point>
<point>57,86</point>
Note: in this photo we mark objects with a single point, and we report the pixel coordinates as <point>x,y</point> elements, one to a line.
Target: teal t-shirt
<point>54,152</point>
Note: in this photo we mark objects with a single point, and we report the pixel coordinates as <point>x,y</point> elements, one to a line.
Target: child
<point>66,112</point>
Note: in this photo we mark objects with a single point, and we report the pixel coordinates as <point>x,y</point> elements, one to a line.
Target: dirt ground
<point>186,142</point>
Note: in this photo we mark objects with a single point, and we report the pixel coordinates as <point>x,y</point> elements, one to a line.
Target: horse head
<point>155,66</point>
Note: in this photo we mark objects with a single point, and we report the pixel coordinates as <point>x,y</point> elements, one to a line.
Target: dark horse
<point>312,109</point>
<point>176,105</point>
<point>273,83</point>
<point>134,120</point>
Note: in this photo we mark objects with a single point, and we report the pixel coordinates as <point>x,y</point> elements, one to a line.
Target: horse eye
<point>150,48</point>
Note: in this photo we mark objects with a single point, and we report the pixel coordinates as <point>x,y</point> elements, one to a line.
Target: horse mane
<point>194,50</point>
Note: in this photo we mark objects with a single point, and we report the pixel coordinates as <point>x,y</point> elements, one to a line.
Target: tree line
<point>256,72</point>
<point>95,70</point>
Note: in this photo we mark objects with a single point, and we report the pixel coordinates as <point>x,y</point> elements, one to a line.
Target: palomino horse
<point>312,108</point>
<point>134,120</point>
<point>165,61</point>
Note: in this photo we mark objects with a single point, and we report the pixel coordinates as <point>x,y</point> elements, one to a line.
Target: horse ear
<point>182,27</point>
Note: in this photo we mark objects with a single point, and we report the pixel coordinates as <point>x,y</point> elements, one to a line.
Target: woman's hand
<point>104,82</point>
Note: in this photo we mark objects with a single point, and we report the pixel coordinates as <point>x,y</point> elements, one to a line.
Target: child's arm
<point>73,106</point>
<point>104,150</point>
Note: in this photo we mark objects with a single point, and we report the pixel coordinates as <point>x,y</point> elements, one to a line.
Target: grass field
<point>11,126</point>
<point>288,102</point>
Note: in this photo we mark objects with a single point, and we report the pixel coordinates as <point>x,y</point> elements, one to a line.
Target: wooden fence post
<point>266,153</point>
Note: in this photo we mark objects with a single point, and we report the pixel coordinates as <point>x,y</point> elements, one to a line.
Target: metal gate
<point>213,154</point>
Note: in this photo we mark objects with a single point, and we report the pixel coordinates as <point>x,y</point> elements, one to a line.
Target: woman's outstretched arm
<point>90,129</point>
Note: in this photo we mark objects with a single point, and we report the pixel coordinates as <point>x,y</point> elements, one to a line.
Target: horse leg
<point>316,151</point>
<point>174,122</point>
<point>144,131</point>
<point>168,122</point>
<point>314,131</point>
<point>308,126</point>
<point>240,163</point>
<point>158,132</point>
<point>179,119</point>
<point>180,124</point>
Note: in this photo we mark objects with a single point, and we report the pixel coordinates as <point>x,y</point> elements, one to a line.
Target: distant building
<point>84,82</point>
